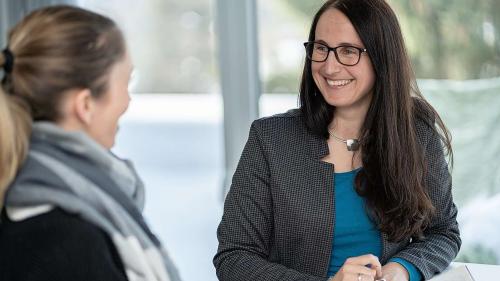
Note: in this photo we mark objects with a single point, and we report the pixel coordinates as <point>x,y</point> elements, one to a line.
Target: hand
<point>393,271</point>
<point>356,269</point>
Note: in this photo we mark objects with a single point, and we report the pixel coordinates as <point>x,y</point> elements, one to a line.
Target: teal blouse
<point>354,233</point>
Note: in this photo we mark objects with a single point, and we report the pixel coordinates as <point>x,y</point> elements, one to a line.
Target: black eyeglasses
<point>346,54</point>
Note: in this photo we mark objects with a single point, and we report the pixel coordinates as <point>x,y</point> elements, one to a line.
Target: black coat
<point>57,246</point>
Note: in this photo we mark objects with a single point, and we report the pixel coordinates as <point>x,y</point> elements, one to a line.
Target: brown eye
<point>348,51</point>
<point>320,47</point>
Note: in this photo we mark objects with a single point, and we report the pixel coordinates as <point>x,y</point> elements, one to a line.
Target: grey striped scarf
<point>71,171</point>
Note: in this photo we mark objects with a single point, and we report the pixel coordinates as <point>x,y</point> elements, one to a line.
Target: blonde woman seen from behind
<point>71,210</point>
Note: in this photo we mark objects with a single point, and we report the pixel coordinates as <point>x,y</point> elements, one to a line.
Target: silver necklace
<point>352,144</point>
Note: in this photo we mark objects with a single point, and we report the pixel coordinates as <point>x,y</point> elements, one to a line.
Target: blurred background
<point>205,68</point>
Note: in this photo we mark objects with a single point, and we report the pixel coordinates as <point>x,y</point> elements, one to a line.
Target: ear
<point>84,106</point>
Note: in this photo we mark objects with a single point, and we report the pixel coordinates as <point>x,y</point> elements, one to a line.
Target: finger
<point>358,269</point>
<point>362,277</point>
<point>378,270</point>
<point>368,259</point>
<point>365,260</point>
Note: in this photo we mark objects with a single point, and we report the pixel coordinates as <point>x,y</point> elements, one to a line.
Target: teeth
<point>338,82</point>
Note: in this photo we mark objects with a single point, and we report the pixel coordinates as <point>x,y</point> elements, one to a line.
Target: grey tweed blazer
<point>279,213</point>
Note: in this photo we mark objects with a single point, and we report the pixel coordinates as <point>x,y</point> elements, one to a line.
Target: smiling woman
<point>354,185</point>
<point>346,79</point>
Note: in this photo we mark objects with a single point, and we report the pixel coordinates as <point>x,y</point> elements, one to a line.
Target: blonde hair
<point>55,49</point>
<point>15,128</point>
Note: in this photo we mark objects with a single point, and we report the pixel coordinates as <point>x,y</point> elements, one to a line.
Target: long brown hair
<point>54,49</point>
<point>392,178</point>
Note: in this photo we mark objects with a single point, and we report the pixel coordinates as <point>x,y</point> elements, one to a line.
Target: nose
<point>331,65</point>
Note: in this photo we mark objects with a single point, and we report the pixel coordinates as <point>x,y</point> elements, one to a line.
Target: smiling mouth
<point>338,83</point>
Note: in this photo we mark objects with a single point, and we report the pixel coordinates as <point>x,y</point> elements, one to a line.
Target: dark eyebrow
<point>321,41</point>
<point>341,44</point>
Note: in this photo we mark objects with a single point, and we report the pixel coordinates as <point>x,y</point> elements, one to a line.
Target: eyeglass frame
<point>334,49</point>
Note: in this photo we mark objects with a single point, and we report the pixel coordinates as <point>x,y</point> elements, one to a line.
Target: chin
<point>336,102</point>
<point>110,144</point>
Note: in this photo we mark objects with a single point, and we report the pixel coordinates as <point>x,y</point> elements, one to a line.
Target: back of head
<point>53,50</point>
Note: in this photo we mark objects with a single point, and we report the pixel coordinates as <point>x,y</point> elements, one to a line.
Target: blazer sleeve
<point>442,238</point>
<point>245,233</point>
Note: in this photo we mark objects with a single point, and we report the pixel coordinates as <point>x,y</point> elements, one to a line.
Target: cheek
<point>368,76</point>
<point>371,80</point>
<point>119,110</point>
<point>123,98</point>
<point>108,119</point>
<point>121,101</point>
<point>370,72</point>
<point>115,115</point>
<point>315,70</point>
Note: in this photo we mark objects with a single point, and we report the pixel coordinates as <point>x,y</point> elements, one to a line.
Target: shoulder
<point>285,135</point>
<point>57,246</point>
<point>54,225</point>
<point>286,122</point>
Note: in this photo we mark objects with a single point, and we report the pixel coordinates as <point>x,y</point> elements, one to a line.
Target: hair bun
<point>7,60</point>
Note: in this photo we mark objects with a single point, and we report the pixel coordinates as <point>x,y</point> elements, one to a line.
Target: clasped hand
<point>368,268</point>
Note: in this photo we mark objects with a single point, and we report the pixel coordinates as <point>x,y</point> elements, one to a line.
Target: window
<point>173,130</point>
<point>171,42</point>
<point>455,50</point>
<point>283,26</point>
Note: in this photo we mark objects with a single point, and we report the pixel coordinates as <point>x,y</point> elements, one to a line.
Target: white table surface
<point>478,272</point>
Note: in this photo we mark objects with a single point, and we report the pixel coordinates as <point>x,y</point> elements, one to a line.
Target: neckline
<point>348,172</point>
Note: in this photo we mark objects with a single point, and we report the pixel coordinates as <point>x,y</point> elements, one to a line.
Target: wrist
<point>401,267</point>
<point>397,269</point>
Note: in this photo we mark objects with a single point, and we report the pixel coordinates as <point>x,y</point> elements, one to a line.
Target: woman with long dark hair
<point>354,185</point>
<point>70,209</point>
